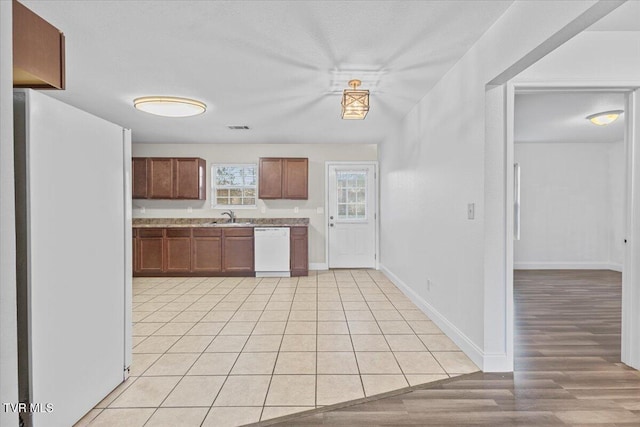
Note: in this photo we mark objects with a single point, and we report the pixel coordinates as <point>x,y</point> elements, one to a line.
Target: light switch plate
<point>471,210</point>
<point>320,210</point>
<point>296,210</point>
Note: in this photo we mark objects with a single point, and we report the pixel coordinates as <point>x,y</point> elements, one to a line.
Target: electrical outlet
<point>428,285</point>
<point>263,209</point>
<point>190,209</point>
<point>143,209</point>
<point>471,210</point>
<point>296,210</point>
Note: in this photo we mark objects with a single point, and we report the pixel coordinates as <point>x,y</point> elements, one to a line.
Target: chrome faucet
<point>232,216</point>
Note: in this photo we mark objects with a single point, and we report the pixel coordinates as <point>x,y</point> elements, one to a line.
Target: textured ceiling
<point>276,66</point>
<point>560,117</point>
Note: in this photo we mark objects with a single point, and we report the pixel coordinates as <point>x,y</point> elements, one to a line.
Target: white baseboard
<point>497,362</point>
<point>318,266</point>
<point>566,266</point>
<point>474,352</point>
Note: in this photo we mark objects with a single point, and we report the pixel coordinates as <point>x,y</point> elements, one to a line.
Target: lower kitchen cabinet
<point>149,251</point>
<point>299,251</point>
<point>206,249</point>
<point>177,247</point>
<point>237,255</point>
<point>202,251</point>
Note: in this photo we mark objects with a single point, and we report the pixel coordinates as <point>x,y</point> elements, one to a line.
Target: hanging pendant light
<point>355,102</point>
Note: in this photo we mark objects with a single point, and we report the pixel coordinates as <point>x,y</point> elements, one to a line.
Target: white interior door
<point>352,215</point>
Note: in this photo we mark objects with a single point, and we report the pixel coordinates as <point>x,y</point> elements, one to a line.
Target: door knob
<point>330,225</point>
<point>331,217</point>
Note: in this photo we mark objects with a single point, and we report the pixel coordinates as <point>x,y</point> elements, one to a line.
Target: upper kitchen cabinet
<point>169,178</point>
<point>190,182</point>
<point>38,51</point>
<point>283,178</point>
<point>161,176</point>
<point>139,174</point>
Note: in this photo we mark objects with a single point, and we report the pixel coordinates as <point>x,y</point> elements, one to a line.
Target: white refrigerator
<point>73,228</point>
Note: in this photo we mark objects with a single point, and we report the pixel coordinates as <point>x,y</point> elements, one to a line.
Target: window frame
<point>215,187</point>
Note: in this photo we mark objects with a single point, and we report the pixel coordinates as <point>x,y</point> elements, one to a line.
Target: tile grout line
<point>237,357</point>
<point>383,334</point>
<point>166,351</point>
<point>264,403</point>
<point>197,358</point>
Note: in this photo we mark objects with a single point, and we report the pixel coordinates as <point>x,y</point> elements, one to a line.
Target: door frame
<point>630,334</point>
<point>376,205</point>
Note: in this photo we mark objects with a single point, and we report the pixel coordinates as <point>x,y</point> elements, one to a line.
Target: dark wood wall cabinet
<point>283,178</point>
<point>183,178</point>
<point>207,251</point>
<point>38,51</point>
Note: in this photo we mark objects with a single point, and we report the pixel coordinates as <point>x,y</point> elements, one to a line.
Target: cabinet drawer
<point>299,231</point>
<point>178,232</point>
<point>150,232</point>
<point>241,231</point>
<point>207,232</point>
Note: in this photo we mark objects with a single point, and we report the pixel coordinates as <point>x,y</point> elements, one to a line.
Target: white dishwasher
<point>272,252</point>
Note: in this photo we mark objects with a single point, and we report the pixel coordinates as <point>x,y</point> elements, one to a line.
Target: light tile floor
<point>233,351</point>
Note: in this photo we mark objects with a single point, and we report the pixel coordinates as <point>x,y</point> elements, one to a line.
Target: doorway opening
<point>568,251</point>
<point>571,203</point>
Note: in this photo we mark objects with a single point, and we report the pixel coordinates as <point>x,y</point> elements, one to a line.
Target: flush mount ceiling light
<point>355,102</point>
<point>604,118</point>
<point>169,106</point>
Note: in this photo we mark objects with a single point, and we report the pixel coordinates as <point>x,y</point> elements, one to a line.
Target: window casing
<point>234,186</point>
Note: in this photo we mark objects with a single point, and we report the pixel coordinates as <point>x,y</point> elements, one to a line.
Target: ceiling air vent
<point>236,127</point>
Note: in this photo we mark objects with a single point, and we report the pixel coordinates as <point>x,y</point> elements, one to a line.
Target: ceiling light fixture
<point>604,118</point>
<point>169,106</point>
<point>355,102</point>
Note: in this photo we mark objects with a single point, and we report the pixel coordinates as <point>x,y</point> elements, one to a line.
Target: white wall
<point>318,154</point>
<point>613,56</point>
<point>572,205</point>
<point>8,332</point>
<point>434,165</point>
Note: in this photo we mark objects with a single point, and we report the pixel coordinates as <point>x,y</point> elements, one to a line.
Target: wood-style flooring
<point>568,369</point>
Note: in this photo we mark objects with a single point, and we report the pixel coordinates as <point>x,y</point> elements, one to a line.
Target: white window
<point>233,186</point>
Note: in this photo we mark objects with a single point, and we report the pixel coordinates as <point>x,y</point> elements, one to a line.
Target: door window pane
<point>352,194</point>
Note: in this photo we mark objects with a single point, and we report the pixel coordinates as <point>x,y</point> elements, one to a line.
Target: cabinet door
<point>160,185</point>
<point>139,178</point>
<point>237,253</point>
<point>295,179</point>
<point>206,247</point>
<point>270,178</point>
<point>299,251</point>
<point>150,253</point>
<point>177,247</point>
<point>190,179</point>
<point>38,51</point>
